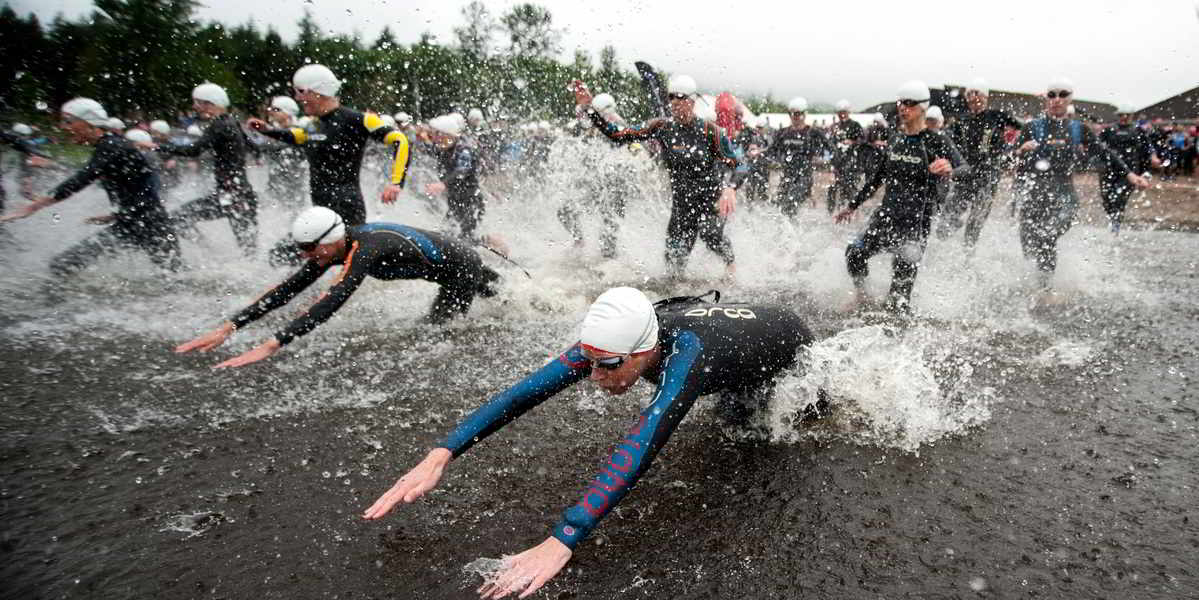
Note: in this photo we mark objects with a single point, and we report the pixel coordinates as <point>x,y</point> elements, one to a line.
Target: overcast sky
<point>1138,51</point>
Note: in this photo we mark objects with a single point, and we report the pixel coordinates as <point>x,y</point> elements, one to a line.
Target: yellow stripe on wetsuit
<point>399,168</point>
<point>299,134</point>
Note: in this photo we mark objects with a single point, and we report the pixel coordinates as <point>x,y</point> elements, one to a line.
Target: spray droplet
<point>1042,165</point>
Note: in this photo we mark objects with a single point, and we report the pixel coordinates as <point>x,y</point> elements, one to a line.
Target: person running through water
<point>17,139</point>
<point>385,251</point>
<point>1049,150</point>
<point>844,136</point>
<point>686,349</point>
<point>1133,145</point>
<point>140,221</point>
<point>795,150</point>
<point>233,198</point>
<point>696,154</point>
<point>334,141</point>
<point>980,137</point>
<point>458,166</point>
<point>916,159</point>
<point>285,163</point>
<point>604,186</point>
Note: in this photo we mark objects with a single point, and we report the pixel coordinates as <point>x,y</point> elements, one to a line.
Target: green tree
<point>530,31</point>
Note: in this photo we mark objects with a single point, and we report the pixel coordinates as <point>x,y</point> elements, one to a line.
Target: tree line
<point>143,57</point>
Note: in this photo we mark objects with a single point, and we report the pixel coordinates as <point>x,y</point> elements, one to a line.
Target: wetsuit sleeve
<point>566,370</point>
<point>280,294</point>
<point>353,272</point>
<point>960,166</point>
<point>95,167</point>
<point>872,184</point>
<point>380,132</point>
<point>682,379</point>
<point>206,142</point>
<point>624,135</point>
<point>20,145</point>
<point>292,135</point>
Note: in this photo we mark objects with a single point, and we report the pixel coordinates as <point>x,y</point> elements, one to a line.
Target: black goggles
<point>1057,94</point>
<point>678,97</point>
<point>310,246</point>
<point>910,103</point>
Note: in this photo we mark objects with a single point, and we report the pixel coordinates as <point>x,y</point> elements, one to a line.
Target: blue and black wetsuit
<point>458,167</point>
<point>696,156</point>
<point>141,221</point>
<point>234,197</point>
<point>20,145</point>
<point>1046,178</point>
<point>731,349</point>
<point>384,251</point>
<point>901,223</point>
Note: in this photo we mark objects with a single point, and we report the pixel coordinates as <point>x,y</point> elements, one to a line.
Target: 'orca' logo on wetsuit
<point>732,313</point>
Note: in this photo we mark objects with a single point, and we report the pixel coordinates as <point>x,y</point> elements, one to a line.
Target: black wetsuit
<point>1046,178</point>
<point>458,168</point>
<point>286,172</point>
<point>796,152</point>
<point>696,156</point>
<point>384,251</point>
<point>234,197</point>
<point>141,221</point>
<point>1134,146</point>
<point>735,350</point>
<point>757,183</point>
<point>604,187</point>
<point>845,136</point>
<point>901,223</point>
<point>980,137</point>
<point>334,143</point>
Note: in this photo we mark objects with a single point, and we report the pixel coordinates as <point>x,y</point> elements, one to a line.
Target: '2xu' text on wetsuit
<point>384,251</point>
<point>706,349</point>
<point>696,155</point>
<point>334,143</point>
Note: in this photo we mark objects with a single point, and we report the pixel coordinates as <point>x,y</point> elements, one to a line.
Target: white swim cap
<point>211,92</point>
<point>621,321</point>
<point>160,126</point>
<point>603,102</point>
<point>317,78</point>
<point>87,110</point>
<point>475,116</point>
<point>681,84</point>
<point>913,90</point>
<point>317,225</point>
<point>22,129</point>
<point>115,124</point>
<point>1070,110</point>
<point>388,121</point>
<point>403,118</point>
<point>1061,84</point>
<point>139,135</point>
<point>286,105</point>
<point>842,105</point>
<point>934,112</point>
<point>798,104</point>
<point>447,124</point>
<point>979,85</point>
<point>194,130</point>
<point>1125,108</point>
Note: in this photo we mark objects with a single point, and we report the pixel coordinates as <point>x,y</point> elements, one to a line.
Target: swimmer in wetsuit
<point>334,141</point>
<point>686,350</point>
<point>384,251</point>
<point>139,220</point>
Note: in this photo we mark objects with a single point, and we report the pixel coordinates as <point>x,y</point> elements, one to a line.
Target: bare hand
<point>582,96</point>
<point>528,570</point>
<point>39,161</point>
<point>391,193</point>
<point>728,202</point>
<point>941,166</point>
<point>261,352</point>
<point>844,216</point>
<point>434,189</point>
<point>422,478</point>
<point>20,213</point>
<point>256,124</point>
<point>209,340</point>
<point>1155,162</point>
<point>1028,146</point>
<point>100,220</point>
<point>1138,181</point>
